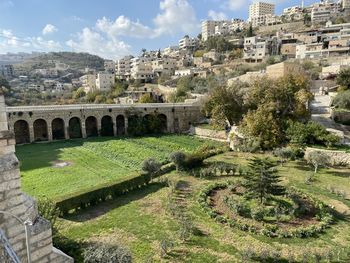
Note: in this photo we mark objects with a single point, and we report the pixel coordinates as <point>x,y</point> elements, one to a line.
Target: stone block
<point>41,252</point>
<point>7,149</point>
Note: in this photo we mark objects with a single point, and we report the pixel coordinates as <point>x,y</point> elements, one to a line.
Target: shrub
<point>284,154</point>
<point>178,158</point>
<point>151,166</point>
<point>103,253</point>
<point>48,210</point>
<point>342,100</point>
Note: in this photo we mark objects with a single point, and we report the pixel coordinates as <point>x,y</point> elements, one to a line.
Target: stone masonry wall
<point>14,201</point>
<point>336,158</point>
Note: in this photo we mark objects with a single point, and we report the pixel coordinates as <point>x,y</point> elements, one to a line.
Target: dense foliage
<point>343,78</point>
<point>342,100</point>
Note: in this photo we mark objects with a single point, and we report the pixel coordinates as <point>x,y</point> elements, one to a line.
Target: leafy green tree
<point>262,181</point>
<point>342,100</point>
<point>343,78</point>
<point>225,105</point>
<point>147,98</point>
<point>79,93</point>
<point>250,32</point>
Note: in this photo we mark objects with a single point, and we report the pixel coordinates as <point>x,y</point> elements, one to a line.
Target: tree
<point>147,98</point>
<point>262,180</point>
<point>317,159</point>
<point>283,154</point>
<point>151,166</point>
<point>250,32</point>
<point>79,93</point>
<point>343,78</point>
<point>225,105</point>
<point>178,158</point>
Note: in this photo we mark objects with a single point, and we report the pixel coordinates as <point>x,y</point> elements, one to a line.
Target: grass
<point>92,162</point>
<point>140,220</point>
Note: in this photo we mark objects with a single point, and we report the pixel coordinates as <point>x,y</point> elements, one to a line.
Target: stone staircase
<point>321,113</point>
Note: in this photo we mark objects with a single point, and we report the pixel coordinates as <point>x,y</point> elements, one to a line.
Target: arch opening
<point>58,132</point>
<point>107,126</point>
<point>120,125</point>
<point>21,129</point>
<point>91,127</point>
<point>40,130</point>
<point>75,128</point>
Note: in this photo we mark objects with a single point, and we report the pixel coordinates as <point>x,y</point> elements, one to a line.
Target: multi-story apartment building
<point>164,65</point>
<point>88,82</point>
<point>255,49</point>
<point>171,51</point>
<point>105,81</point>
<point>6,71</point>
<point>211,28</point>
<point>346,4</point>
<point>259,11</point>
<point>188,43</point>
<point>208,28</point>
<point>109,66</point>
<point>123,67</point>
<point>141,69</point>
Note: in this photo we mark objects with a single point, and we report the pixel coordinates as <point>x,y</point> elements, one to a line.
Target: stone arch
<point>120,125</point>
<point>40,130</point>
<point>75,128</point>
<point>21,129</point>
<point>91,127</point>
<point>107,126</point>
<point>163,119</point>
<point>58,132</point>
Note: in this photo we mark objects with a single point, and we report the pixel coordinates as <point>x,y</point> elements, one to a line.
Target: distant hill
<point>76,61</point>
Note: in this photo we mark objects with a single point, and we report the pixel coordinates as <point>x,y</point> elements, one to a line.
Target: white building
<point>258,12</point>
<point>88,82</point>
<point>208,28</point>
<point>346,4</point>
<point>189,43</point>
<point>109,66</point>
<point>141,69</point>
<point>105,81</point>
<point>320,14</point>
<point>211,28</point>
<point>255,49</point>
<point>164,65</point>
<point>123,67</point>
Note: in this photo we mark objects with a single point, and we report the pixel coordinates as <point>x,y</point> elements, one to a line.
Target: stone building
<point>18,209</point>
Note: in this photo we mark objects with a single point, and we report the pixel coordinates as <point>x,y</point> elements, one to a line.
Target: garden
<point>206,212</point>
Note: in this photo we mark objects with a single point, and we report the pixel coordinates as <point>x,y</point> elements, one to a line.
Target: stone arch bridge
<point>59,122</point>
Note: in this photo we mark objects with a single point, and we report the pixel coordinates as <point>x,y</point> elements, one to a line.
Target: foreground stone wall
<point>14,201</point>
<point>336,158</point>
<point>211,134</point>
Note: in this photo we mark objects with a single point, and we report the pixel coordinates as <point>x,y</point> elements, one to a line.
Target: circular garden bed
<point>294,214</point>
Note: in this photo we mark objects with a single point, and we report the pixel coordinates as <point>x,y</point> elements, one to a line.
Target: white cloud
<point>49,29</point>
<point>176,16</point>
<point>123,26</point>
<point>216,15</point>
<point>12,43</point>
<point>93,42</point>
<point>236,4</point>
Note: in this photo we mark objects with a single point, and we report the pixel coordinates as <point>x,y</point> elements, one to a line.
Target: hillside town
<point>319,32</point>
<point>231,144</point>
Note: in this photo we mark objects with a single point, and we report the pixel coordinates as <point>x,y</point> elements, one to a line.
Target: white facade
<point>109,66</point>
<point>255,49</point>
<point>211,28</point>
<point>320,14</point>
<point>346,4</point>
<point>164,66</point>
<point>105,81</point>
<point>123,67</point>
<point>258,12</point>
<point>88,82</point>
<point>188,43</point>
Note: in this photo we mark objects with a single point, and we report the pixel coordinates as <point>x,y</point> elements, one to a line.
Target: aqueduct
<point>58,122</point>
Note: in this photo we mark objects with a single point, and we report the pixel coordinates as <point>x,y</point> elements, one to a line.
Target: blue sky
<point>110,28</point>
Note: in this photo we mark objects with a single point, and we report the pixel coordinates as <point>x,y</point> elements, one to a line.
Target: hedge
<point>78,201</point>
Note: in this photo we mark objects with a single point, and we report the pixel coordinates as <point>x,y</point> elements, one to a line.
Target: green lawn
<point>140,220</point>
<point>91,162</point>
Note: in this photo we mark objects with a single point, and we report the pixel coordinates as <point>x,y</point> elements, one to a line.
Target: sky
<point>110,28</point>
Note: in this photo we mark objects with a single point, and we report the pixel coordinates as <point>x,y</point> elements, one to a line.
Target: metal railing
<point>7,255</point>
